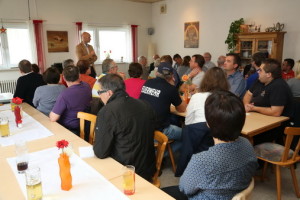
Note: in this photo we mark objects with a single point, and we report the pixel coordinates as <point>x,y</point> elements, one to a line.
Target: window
<point>15,45</point>
<point>113,42</point>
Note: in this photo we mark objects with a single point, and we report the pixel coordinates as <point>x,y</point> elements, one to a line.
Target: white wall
<point>215,17</point>
<point>60,15</point>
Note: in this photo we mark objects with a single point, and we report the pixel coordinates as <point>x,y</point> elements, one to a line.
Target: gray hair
<point>141,58</point>
<point>107,64</point>
<point>68,62</point>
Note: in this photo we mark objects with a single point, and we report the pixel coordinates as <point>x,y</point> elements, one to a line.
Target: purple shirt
<point>71,101</point>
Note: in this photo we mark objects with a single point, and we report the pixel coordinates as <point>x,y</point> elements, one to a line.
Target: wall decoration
<point>57,41</point>
<point>163,9</point>
<point>191,35</point>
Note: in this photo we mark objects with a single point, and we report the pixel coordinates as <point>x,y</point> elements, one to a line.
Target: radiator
<point>8,86</point>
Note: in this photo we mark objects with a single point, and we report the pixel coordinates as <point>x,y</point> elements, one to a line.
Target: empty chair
<point>160,144</point>
<point>92,119</point>
<point>281,156</point>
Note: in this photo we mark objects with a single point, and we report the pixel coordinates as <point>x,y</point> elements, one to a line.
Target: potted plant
<point>231,38</point>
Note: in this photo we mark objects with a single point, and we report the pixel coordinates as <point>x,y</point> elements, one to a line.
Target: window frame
<point>95,41</point>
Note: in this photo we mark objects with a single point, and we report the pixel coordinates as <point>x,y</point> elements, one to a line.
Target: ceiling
<point>146,1</point>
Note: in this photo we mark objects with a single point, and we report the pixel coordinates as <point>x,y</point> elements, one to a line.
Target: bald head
<point>86,37</point>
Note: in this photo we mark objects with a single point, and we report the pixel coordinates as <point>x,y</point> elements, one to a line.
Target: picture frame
<point>191,34</point>
<point>57,41</point>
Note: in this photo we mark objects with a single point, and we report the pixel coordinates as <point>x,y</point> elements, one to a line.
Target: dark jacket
<point>125,132</point>
<point>26,86</point>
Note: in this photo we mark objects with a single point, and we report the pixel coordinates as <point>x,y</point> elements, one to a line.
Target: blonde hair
<point>296,69</point>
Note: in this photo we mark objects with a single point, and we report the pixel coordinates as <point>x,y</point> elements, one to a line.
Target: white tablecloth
<point>31,129</point>
<point>87,182</point>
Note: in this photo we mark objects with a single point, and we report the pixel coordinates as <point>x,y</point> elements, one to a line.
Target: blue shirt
<point>237,84</point>
<point>251,80</point>
<point>220,172</point>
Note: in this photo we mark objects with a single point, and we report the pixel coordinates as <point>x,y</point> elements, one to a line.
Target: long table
<point>255,123</point>
<point>108,167</point>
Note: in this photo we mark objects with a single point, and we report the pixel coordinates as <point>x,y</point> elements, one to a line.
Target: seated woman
<point>134,84</point>
<point>85,70</point>
<point>46,95</point>
<point>196,136</point>
<point>226,168</point>
<point>294,83</point>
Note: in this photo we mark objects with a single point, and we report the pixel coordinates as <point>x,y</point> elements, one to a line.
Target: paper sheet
<point>86,152</point>
<point>31,129</point>
<point>87,182</point>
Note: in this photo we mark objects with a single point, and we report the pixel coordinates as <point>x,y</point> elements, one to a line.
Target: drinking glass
<point>22,155</point>
<point>4,127</point>
<point>33,183</point>
<point>129,179</point>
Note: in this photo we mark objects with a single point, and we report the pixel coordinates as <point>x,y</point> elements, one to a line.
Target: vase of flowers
<point>64,166</point>
<point>187,95</point>
<point>107,54</point>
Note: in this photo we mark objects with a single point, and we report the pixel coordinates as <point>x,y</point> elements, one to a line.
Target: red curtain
<point>134,29</point>
<point>78,31</point>
<point>38,31</point>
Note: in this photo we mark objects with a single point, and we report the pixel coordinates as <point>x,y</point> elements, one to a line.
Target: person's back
<point>125,130</point>
<point>134,84</point>
<point>45,96</point>
<point>28,82</point>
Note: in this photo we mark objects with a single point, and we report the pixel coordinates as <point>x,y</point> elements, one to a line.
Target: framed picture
<point>57,41</point>
<point>191,35</point>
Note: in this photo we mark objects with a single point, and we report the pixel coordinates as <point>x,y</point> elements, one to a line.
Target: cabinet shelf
<point>271,42</point>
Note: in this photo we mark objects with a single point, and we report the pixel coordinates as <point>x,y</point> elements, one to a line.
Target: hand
<point>249,107</point>
<point>123,75</point>
<point>92,53</point>
<point>194,72</point>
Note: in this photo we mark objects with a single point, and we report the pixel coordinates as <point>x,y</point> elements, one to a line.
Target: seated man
<point>234,77</point>
<point>28,82</point>
<point>287,69</point>
<point>85,70</point>
<point>270,94</point>
<point>160,92</point>
<point>125,127</point>
<point>75,98</point>
<point>226,168</point>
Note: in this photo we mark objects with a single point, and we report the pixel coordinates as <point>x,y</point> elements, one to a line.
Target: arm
<point>81,55</point>
<point>20,91</point>
<point>247,98</point>
<point>36,98</point>
<point>181,107</point>
<point>54,117</point>
<point>275,111</point>
<point>238,87</point>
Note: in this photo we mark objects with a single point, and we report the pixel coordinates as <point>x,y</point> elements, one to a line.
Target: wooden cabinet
<point>250,43</point>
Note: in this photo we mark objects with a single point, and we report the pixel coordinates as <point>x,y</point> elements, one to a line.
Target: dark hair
<point>258,58</point>
<point>25,66</point>
<point>225,115</point>
<point>68,62</point>
<point>290,62</point>
<point>199,59</point>
<point>51,75</point>
<point>236,59</point>
<point>186,60</point>
<point>166,58</point>
<point>112,82</point>
<point>273,66</point>
<point>58,66</point>
<point>71,73</point>
<point>83,66</point>
<point>214,79</point>
<point>135,70</point>
<point>35,68</point>
<point>176,56</point>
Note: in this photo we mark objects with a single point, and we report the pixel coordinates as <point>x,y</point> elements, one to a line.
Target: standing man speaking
<point>84,51</point>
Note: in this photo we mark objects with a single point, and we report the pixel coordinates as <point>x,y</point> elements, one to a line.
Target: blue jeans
<point>174,133</point>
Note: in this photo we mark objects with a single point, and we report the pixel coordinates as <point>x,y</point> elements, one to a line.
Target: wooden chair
<point>87,117</point>
<point>171,155</point>
<point>281,156</point>
<point>246,193</point>
<point>160,144</point>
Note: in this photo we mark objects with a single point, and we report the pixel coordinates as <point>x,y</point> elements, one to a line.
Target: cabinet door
<point>247,47</point>
<point>266,45</point>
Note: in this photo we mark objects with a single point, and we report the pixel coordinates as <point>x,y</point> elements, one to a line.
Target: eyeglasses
<point>101,91</point>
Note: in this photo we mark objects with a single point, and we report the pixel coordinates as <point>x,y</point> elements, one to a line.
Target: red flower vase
<point>65,172</point>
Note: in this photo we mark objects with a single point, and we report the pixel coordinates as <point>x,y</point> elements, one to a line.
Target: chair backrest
<point>291,132</point>
<point>245,194</point>
<point>161,143</point>
<point>87,117</point>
